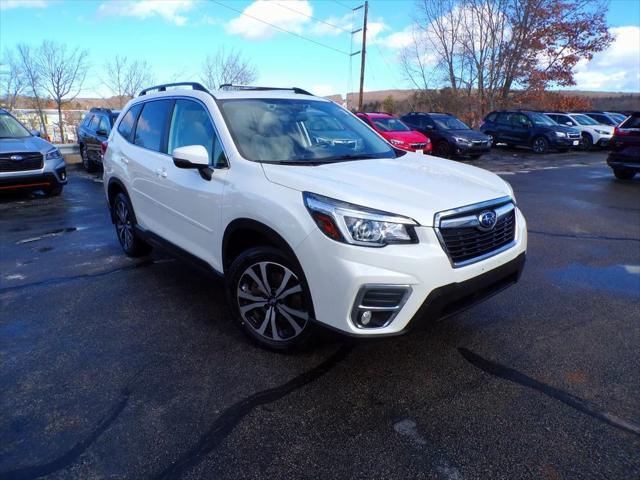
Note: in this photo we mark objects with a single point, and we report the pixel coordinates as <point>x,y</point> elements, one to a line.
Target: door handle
<point>161,172</point>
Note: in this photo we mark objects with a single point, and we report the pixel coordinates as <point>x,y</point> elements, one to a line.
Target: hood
<point>412,185</point>
<point>27,144</point>
<point>407,137</point>
<point>471,135</point>
<point>603,128</point>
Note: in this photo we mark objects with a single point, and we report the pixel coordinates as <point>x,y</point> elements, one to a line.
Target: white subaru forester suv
<point>310,215</point>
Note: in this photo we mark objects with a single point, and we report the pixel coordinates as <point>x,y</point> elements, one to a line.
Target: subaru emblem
<point>487,220</point>
<point>15,158</point>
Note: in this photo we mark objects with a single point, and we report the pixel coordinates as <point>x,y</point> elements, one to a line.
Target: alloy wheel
<point>271,301</point>
<point>124,227</point>
<point>539,145</point>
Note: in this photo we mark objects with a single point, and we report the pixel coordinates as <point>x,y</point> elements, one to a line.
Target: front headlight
<point>348,223</point>
<point>561,134</point>
<point>602,132</point>
<point>511,194</point>
<point>393,141</point>
<point>461,140</point>
<point>53,154</point>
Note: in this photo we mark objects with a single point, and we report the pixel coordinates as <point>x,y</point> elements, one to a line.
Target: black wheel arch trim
<point>115,182</point>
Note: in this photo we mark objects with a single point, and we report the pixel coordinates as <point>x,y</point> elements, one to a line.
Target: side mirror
<point>35,133</point>
<point>570,124</point>
<point>430,127</point>
<point>102,133</point>
<point>195,157</point>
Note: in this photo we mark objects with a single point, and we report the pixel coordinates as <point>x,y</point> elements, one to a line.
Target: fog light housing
<point>377,305</point>
<point>62,173</point>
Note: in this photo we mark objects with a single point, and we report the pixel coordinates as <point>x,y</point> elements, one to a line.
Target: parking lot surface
<point>119,368</point>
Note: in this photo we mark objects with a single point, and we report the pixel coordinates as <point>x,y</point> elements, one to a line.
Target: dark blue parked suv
<point>529,129</point>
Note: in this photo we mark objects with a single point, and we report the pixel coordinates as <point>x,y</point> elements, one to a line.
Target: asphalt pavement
<point>115,368</point>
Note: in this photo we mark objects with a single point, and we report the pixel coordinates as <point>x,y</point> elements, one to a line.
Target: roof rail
<point>230,86</point>
<point>101,109</point>
<point>163,87</point>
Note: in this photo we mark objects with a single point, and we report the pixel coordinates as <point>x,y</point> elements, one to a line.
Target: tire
<point>124,220</point>
<point>494,142</point>
<point>443,149</point>
<point>540,145</point>
<point>88,165</point>
<point>623,174</point>
<point>54,191</point>
<point>587,142</point>
<point>270,299</point>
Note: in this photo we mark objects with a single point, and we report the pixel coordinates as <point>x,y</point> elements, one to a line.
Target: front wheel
<point>587,141</point>
<point>443,150</point>
<point>54,191</point>
<point>540,145</point>
<point>125,221</point>
<point>623,174</point>
<point>270,299</point>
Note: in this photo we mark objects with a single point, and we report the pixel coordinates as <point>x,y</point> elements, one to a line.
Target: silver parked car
<point>28,162</point>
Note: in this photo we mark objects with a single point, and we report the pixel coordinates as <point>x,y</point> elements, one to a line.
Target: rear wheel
<point>540,145</point>
<point>443,149</point>
<point>88,165</point>
<point>587,141</point>
<point>270,299</point>
<point>125,221</point>
<point>623,174</point>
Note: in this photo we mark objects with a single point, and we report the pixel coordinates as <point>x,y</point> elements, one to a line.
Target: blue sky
<point>176,35</point>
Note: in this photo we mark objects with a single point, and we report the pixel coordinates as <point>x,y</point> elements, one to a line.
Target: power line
<point>279,28</point>
<point>313,18</point>
<point>343,5</point>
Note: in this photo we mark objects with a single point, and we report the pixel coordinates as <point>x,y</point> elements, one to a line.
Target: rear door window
<point>152,124</point>
<point>504,118</point>
<point>94,123</point>
<point>104,124</point>
<point>125,128</point>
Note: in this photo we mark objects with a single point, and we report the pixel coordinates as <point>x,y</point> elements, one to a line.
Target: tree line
<point>54,72</point>
<point>481,51</point>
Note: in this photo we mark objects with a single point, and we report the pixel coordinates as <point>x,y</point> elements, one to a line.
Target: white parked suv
<point>592,132</point>
<point>356,236</point>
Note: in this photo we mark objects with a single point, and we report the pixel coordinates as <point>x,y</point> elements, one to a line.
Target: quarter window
<point>125,128</point>
<point>149,132</point>
<point>95,122</point>
<point>104,124</point>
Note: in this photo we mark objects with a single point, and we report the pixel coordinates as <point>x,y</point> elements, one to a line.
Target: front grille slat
<point>29,161</point>
<point>463,244</point>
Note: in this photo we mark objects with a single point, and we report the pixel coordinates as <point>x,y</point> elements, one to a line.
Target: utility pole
<point>364,53</point>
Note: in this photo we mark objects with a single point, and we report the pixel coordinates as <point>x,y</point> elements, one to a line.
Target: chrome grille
<point>574,136</point>
<point>466,241</point>
<point>20,161</point>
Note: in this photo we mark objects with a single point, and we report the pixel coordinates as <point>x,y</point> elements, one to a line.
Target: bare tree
<point>28,61</point>
<point>125,78</point>
<point>13,80</point>
<point>63,73</point>
<point>223,67</point>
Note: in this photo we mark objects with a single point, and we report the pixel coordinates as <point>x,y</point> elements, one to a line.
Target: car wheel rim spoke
<point>262,291</point>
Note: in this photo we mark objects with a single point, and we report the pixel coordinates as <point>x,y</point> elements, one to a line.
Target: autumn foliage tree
<point>486,49</point>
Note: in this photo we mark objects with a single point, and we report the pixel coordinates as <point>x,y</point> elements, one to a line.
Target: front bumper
<point>335,273</point>
<point>50,176</point>
<point>564,142</point>
<point>471,149</point>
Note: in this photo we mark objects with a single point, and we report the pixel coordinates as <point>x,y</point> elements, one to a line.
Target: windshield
<point>300,131</point>
<point>584,120</point>
<point>388,124</point>
<point>618,117</point>
<point>11,128</point>
<point>541,120</point>
<point>450,123</point>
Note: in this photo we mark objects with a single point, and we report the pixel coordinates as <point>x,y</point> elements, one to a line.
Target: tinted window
<point>191,125</point>
<point>632,122</point>
<point>95,122</point>
<point>104,124</point>
<point>504,118</point>
<point>519,120</point>
<point>492,117</point>
<point>388,124</point>
<point>126,124</point>
<point>11,128</point>
<point>151,125</point>
<point>87,120</point>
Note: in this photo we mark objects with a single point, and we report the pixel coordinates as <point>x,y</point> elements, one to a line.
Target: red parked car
<point>397,132</point>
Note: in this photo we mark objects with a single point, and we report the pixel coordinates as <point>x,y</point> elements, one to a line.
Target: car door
<point>145,159</point>
<point>191,203</point>
<point>102,134</point>
<point>520,130</point>
<point>91,142</point>
<point>503,128</point>
<point>82,128</point>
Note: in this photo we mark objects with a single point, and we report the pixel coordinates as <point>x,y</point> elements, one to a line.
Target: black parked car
<point>624,157</point>
<point>94,130</point>
<point>448,134</point>
<point>529,129</point>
